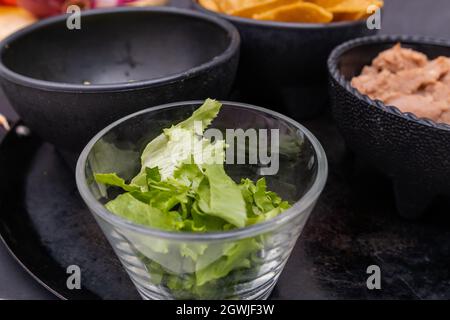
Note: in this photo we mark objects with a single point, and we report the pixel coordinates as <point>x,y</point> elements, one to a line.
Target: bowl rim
<point>278,24</point>
<point>232,49</point>
<point>333,68</point>
<point>298,208</point>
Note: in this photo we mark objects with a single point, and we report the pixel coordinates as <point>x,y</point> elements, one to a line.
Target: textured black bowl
<point>414,152</point>
<point>68,84</point>
<point>283,65</point>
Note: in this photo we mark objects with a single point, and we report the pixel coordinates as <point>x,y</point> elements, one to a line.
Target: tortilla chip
<point>231,5</point>
<point>210,5</point>
<point>326,3</point>
<point>355,6</point>
<point>261,7</point>
<point>13,19</point>
<point>312,11</point>
<point>348,16</point>
<point>299,12</point>
<point>348,10</point>
<point>352,10</point>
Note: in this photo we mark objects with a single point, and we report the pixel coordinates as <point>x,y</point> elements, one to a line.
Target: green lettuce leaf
<point>181,189</point>
<point>261,204</point>
<point>236,256</point>
<point>128,207</point>
<point>112,179</point>
<point>221,197</point>
<point>177,142</point>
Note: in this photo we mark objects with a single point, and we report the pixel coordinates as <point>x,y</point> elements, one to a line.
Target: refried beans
<point>410,81</point>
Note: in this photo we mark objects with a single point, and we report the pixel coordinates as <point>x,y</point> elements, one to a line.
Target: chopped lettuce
<point>130,208</point>
<point>183,188</point>
<point>112,179</point>
<point>221,197</point>
<point>235,256</point>
<point>178,142</point>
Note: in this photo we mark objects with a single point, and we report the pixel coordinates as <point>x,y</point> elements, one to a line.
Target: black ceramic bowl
<point>68,84</point>
<point>283,65</point>
<point>414,152</point>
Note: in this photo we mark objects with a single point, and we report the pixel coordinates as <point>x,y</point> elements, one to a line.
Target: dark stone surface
<point>355,223</point>
<point>47,226</point>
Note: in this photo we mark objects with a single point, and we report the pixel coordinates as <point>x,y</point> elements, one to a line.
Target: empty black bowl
<point>284,65</point>
<point>413,152</point>
<point>69,84</point>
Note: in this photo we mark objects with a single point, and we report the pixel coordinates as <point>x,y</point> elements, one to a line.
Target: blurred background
<point>412,16</point>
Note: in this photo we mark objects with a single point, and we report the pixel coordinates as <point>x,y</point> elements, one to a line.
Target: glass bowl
<point>236,264</point>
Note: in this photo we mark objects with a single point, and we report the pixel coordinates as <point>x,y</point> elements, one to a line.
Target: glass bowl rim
<point>297,208</point>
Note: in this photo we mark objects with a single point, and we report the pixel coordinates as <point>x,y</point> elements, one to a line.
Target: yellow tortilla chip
<point>347,5</point>
<point>13,19</point>
<point>258,8</point>
<point>300,12</point>
<point>311,11</point>
<point>326,3</point>
<point>348,16</point>
<point>231,5</point>
<point>348,10</point>
<point>210,5</point>
<point>360,6</point>
<point>352,10</point>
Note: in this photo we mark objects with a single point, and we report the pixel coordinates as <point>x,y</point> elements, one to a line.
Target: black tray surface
<point>47,227</point>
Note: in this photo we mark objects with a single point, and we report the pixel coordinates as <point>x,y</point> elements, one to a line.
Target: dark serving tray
<point>47,227</point>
